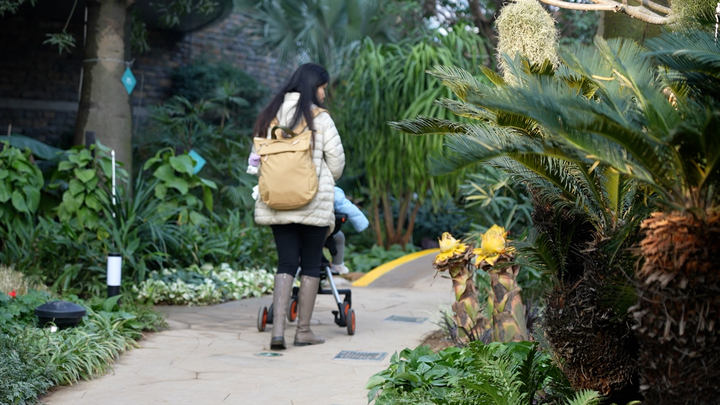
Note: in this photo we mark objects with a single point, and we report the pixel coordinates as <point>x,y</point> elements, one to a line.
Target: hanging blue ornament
<point>128,80</point>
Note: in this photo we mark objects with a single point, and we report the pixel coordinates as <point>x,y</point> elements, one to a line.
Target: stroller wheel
<point>292,311</point>
<point>346,308</point>
<point>351,322</point>
<point>262,319</point>
<point>270,316</point>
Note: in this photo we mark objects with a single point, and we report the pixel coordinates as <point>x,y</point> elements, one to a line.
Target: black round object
<point>62,313</point>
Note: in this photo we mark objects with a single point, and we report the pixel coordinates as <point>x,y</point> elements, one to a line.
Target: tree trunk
<point>621,25</point>
<point>104,103</point>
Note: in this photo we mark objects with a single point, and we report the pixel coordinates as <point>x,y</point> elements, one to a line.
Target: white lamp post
<point>114,273</point>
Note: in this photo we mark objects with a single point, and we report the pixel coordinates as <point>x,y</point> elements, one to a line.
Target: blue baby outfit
<point>345,206</point>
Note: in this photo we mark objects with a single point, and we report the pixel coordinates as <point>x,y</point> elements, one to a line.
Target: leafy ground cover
<point>34,358</point>
<point>495,373</point>
<point>203,285</point>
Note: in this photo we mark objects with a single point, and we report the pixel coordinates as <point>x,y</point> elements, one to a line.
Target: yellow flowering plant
<point>504,306</point>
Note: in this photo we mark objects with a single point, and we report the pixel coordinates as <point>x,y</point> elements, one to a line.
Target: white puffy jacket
<point>329,159</point>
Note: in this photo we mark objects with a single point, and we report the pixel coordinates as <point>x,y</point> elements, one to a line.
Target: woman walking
<point>300,233</point>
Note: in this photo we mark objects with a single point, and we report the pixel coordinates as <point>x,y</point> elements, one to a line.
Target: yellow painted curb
<point>378,271</point>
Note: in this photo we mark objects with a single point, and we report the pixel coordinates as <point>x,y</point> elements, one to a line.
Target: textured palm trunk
<point>508,310</point>
<point>466,307</point>
<point>678,311</point>
<point>596,346</point>
<point>104,103</point>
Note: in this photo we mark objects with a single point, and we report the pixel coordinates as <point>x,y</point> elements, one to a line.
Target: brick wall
<point>47,82</point>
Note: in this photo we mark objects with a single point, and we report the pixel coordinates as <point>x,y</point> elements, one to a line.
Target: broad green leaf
<point>92,184</point>
<point>375,381</point>
<point>160,191</point>
<point>82,216</point>
<point>165,173</point>
<point>208,183</point>
<point>81,158</point>
<point>85,175</point>
<point>22,166</point>
<point>39,149</point>
<point>91,218</point>
<point>192,201</point>
<point>182,163</point>
<point>92,202</point>
<point>18,201</point>
<point>110,303</point>
<point>197,218</point>
<point>208,198</point>
<point>179,184</point>
<point>5,193</point>
<point>75,187</point>
<point>70,203</point>
<point>4,173</point>
<point>32,196</point>
<point>66,165</point>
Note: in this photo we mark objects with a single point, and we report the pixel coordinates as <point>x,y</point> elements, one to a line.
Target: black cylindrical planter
<point>114,273</point>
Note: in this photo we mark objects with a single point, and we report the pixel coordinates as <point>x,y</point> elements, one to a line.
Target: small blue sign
<point>128,80</point>
<point>199,161</point>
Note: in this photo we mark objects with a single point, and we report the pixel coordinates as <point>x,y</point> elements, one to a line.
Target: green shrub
<point>24,371</point>
<point>432,221</point>
<point>20,185</point>
<point>19,312</point>
<point>201,78</point>
<point>176,181</point>
<point>203,285</point>
<point>85,180</point>
<point>513,373</point>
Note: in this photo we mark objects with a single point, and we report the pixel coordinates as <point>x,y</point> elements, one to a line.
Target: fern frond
<point>585,397</point>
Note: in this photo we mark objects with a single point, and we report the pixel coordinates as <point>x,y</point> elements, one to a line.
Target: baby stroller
<point>344,316</point>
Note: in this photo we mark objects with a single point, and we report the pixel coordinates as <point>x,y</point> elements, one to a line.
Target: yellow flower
<point>492,245</point>
<point>449,246</point>
<point>493,241</point>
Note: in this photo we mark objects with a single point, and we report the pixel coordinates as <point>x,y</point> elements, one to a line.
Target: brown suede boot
<point>282,291</point>
<point>306,304</point>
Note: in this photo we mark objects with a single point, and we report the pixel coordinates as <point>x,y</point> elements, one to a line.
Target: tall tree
<point>104,103</point>
<point>104,106</point>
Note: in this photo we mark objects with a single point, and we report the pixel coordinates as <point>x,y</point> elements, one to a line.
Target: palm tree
<point>658,126</point>
<point>321,31</point>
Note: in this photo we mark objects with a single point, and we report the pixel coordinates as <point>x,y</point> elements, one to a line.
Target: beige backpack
<point>288,178</point>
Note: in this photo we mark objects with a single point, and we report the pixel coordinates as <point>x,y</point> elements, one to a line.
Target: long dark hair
<point>306,80</point>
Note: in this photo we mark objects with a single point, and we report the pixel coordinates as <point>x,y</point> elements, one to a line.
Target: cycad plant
<point>582,215</point>
<point>654,127</point>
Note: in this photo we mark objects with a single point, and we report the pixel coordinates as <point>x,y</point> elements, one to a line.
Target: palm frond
<point>460,81</point>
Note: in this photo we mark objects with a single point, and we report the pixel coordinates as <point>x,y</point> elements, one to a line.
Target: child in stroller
<point>336,244</point>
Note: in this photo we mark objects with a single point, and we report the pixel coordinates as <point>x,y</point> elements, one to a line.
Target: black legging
<point>299,245</point>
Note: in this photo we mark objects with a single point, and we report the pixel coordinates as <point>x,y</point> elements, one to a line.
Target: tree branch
<point>638,12</point>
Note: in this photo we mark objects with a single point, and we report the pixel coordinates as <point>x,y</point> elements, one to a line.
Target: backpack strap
<point>303,124</point>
